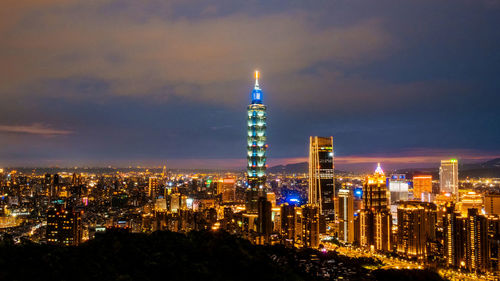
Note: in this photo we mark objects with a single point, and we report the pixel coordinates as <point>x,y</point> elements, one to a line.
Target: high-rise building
<point>398,188</point>
<point>422,184</point>
<point>345,215</point>
<point>470,200</point>
<point>256,148</point>
<point>310,226</point>
<point>153,187</point>
<point>383,230</point>
<point>471,241</point>
<point>264,220</point>
<point>321,178</point>
<point>375,191</point>
<point>375,219</point>
<point>416,227</point>
<point>64,227</point>
<point>366,231</point>
<point>455,237</point>
<point>492,204</point>
<point>448,177</point>
<point>494,243</point>
<point>271,197</point>
<point>477,242</point>
<point>228,190</point>
<point>291,225</point>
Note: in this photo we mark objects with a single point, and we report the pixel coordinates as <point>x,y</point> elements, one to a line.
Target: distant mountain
<point>295,168</point>
<point>495,163</point>
<point>489,169</point>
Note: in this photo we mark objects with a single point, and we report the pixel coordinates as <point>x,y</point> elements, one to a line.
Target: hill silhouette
<point>174,256</point>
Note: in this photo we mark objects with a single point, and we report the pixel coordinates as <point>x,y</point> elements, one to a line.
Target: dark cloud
<point>130,81</point>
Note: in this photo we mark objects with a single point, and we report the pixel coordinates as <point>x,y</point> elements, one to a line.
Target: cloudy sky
<point>126,82</point>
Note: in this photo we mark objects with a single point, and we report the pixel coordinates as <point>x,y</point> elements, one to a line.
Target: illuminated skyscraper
<point>375,220</point>
<point>321,181</point>
<point>448,177</point>
<point>256,147</point>
<point>375,191</point>
<point>345,215</point>
<point>64,227</point>
<point>153,187</point>
<point>467,241</point>
<point>264,220</point>
<point>416,227</point>
<point>228,190</point>
<point>492,204</point>
<point>455,237</point>
<point>477,242</point>
<point>398,187</point>
<point>422,184</point>
<point>310,226</point>
<point>291,225</point>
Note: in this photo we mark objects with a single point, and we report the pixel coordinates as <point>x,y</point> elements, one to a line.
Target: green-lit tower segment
<point>256,147</point>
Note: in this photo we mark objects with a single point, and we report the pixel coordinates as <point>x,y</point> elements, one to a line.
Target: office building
<point>375,219</point>
<point>271,197</point>
<point>470,200</point>
<point>64,227</point>
<point>455,237</point>
<point>398,188</point>
<point>321,179</point>
<point>416,228</point>
<point>492,204</point>
<point>477,242</point>
<point>228,190</point>
<point>375,191</point>
<point>422,184</point>
<point>153,188</point>
<point>493,243</point>
<point>448,177</point>
<point>365,224</point>
<point>383,230</point>
<point>310,226</point>
<point>291,225</point>
<point>345,215</point>
<point>256,148</point>
<point>264,220</point>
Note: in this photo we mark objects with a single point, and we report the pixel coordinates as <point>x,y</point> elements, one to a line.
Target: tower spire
<point>256,79</point>
<point>379,170</point>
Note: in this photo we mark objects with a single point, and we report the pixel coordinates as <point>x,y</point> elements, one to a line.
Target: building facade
<point>228,190</point>
<point>375,219</point>
<point>422,184</point>
<point>345,215</point>
<point>64,227</point>
<point>448,177</point>
<point>492,204</point>
<point>256,147</point>
<point>321,179</point>
<point>310,226</point>
<point>416,228</point>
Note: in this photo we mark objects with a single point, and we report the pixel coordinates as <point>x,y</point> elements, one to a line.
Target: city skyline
<point>135,144</point>
<point>410,81</point>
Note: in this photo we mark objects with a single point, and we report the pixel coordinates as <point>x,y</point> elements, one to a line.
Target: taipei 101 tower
<point>256,148</point>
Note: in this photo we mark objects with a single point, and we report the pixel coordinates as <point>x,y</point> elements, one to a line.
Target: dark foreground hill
<point>174,256</point>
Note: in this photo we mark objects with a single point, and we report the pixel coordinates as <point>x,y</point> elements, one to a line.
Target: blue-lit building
<point>256,147</point>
